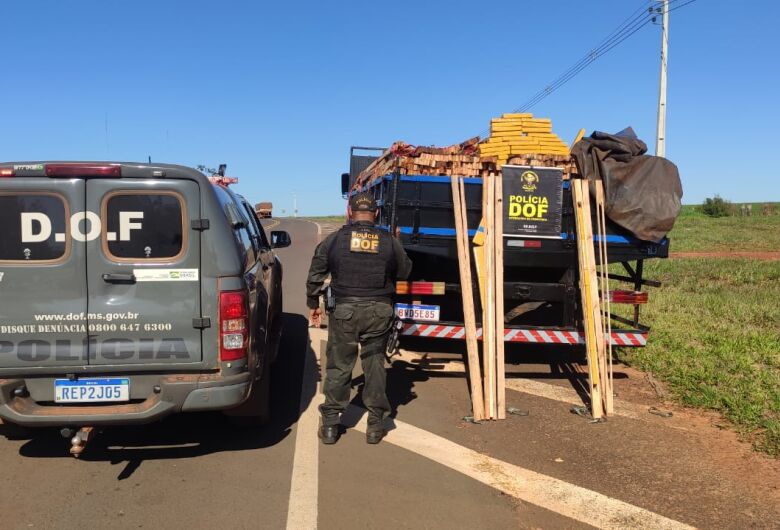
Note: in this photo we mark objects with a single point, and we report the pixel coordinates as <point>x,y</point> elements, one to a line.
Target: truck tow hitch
<point>79,439</point>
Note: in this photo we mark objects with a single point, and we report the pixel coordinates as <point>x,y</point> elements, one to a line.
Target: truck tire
<point>256,410</point>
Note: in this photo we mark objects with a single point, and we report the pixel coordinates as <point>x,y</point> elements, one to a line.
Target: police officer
<point>364,262</point>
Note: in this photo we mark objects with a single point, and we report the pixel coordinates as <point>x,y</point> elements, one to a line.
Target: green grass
<point>693,231</point>
<point>715,340</point>
<point>338,219</point>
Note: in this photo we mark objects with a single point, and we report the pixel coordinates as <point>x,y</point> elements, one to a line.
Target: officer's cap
<point>363,202</point>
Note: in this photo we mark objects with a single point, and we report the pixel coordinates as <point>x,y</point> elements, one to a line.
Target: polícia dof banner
<point>532,201</point>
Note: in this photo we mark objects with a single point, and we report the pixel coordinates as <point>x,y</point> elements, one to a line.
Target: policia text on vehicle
<point>364,262</point>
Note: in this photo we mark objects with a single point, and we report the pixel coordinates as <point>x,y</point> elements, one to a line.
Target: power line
<point>627,31</point>
<point>679,6</point>
<point>631,25</point>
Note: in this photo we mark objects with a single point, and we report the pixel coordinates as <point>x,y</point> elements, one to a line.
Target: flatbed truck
<point>541,287</point>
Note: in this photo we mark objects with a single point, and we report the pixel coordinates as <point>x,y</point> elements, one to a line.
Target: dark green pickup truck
<point>129,292</point>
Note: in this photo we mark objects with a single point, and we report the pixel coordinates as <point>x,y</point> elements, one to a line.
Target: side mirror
<point>344,184</point>
<point>280,239</point>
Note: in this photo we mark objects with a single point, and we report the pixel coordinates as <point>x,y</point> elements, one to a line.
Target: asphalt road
<point>547,469</point>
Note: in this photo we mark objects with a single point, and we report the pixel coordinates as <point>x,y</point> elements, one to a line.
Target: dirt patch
<point>771,256</point>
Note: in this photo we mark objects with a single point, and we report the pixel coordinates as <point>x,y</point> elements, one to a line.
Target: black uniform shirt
<point>318,271</point>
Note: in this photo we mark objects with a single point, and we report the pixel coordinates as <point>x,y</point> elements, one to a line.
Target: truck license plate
<point>423,313</point>
<point>91,390</point>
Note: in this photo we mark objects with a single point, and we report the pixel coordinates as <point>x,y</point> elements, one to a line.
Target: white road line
<point>303,505</point>
<point>304,487</point>
<point>561,497</point>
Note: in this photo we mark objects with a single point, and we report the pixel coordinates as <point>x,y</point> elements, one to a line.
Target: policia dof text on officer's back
<point>364,262</point>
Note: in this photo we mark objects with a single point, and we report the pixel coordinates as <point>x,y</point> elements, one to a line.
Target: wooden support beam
<point>488,311</point>
<point>498,226</point>
<point>601,217</point>
<point>469,316</point>
<point>590,309</point>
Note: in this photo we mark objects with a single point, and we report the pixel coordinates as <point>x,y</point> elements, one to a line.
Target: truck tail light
<point>6,172</point>
<point>627,297</point>
<point>233,325</point>
<point>83,170</point>
<point>420,287</point>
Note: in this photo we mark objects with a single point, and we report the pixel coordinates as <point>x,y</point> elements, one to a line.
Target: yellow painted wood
<point>579,137</point>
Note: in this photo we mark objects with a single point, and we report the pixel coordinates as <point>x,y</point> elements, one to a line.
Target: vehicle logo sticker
<point>28,167</point>
<point>166,275</point>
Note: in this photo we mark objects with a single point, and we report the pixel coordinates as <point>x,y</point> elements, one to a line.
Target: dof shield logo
<point>530,179</point>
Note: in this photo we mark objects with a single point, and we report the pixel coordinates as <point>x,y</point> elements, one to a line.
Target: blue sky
<point>281,90</point>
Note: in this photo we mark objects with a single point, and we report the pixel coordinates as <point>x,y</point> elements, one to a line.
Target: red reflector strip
<point>627,297</point>
<point>536,336</point>
<point>83,170</point>
<point>420,287</point>
<point>524,243</point>
<point>427,287</point>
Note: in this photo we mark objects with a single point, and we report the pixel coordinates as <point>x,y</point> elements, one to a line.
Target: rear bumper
<point>177,393</point>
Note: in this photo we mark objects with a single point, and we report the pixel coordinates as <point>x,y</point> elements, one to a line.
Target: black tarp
<point>643,193</point>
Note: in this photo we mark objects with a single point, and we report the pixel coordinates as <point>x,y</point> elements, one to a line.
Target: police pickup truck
<point>129,292</point>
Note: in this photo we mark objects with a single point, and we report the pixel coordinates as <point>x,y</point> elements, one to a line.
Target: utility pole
<point>660,136</point>
<point>295,204</point>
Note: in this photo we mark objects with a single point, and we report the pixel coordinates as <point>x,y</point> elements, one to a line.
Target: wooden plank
<point>585,256</point>
<point>580,135</point>
<point>594,304</point>
<point>469,316</point>
<point>488,310</point>
<point>498,226</point>
<point>609,393</point>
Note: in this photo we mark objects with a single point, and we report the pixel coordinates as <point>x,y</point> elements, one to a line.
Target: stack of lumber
<point>462,160</point>
<point>514,135</point>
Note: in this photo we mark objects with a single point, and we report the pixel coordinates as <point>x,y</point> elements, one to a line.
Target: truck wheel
<point>256,410</point>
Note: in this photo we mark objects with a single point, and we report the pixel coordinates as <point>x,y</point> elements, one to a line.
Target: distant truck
<point>264,210</point>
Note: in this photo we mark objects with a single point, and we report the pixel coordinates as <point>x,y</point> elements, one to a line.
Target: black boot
<point>374,437</point>
<point>329,434</point>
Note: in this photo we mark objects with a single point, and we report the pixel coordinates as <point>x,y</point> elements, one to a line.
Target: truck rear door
<point>43,288</point>
<point>143,272</point>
